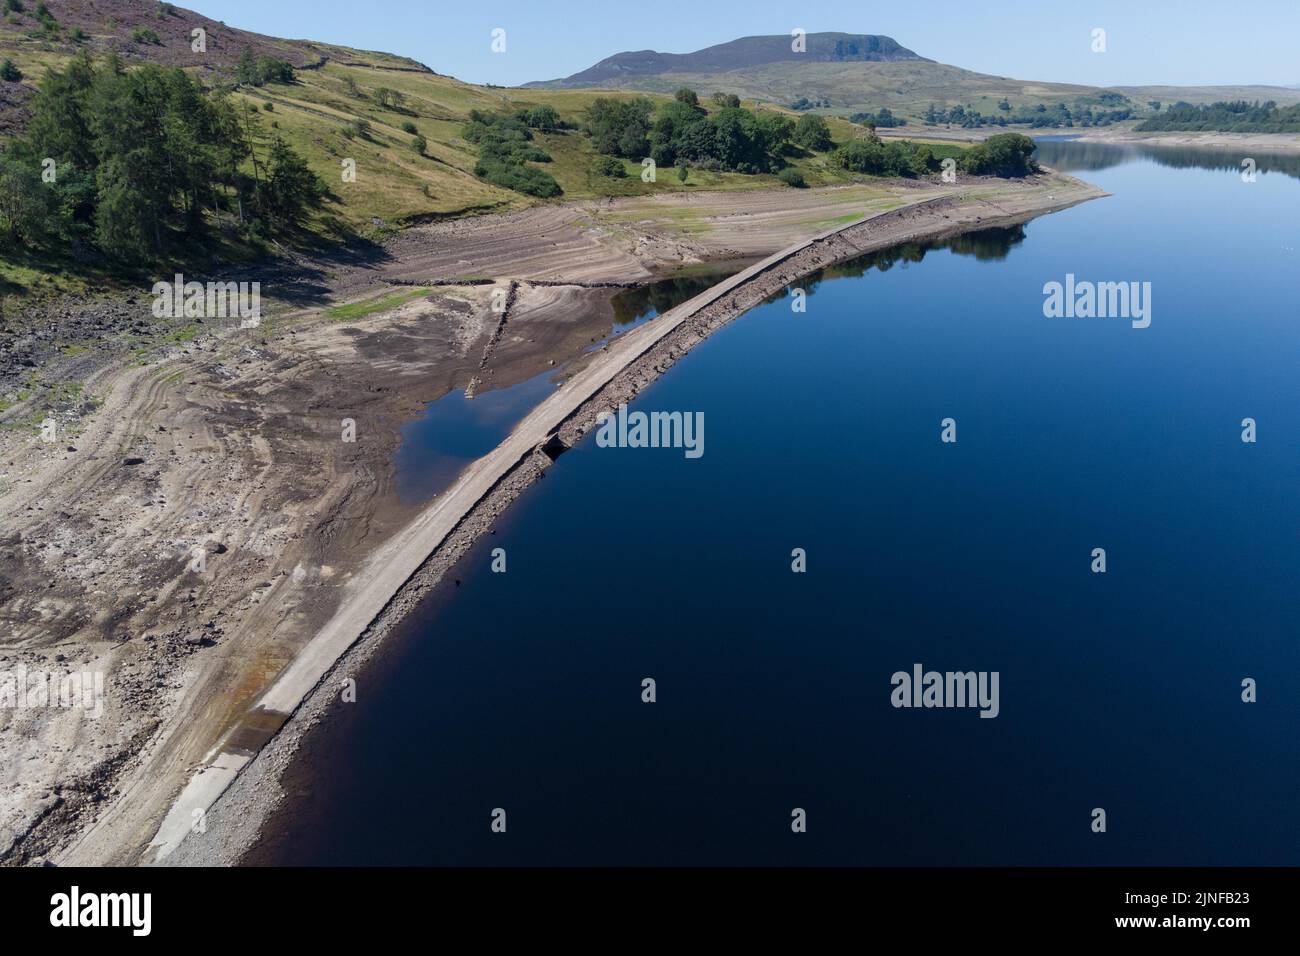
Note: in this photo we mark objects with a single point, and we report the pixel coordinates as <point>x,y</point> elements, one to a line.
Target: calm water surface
<point>1122,691</point>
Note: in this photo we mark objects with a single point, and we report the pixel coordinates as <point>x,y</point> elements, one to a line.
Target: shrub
<point>542,117</point>
<point>504,148</point>
<point>523,179</point>
<point>409,127</point>
<point>792,177</point>
<point>609,166</point>
<point>419,144</point>
<point>145,35</point>
<point>269,106</point>
<point>10,72</point>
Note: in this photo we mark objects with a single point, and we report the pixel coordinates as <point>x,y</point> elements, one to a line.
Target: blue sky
<point>1186,42</point>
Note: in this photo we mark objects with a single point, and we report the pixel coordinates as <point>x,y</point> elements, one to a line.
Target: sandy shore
<point>238,791</point>
<point>1117,135</point>
<point>228,441</point>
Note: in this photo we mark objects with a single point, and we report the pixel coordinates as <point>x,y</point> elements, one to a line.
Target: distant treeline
<point>1102,110</point>
<point>1235,117</point>
<point>883,119</point>
<point>136,162</point>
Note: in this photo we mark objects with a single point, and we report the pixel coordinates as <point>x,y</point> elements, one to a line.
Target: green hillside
<point>337,92</point>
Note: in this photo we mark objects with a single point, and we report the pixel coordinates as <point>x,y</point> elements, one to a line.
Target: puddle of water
<point>455,430</point>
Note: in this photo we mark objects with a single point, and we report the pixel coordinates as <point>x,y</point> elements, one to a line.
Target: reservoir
<point>1120,691</point>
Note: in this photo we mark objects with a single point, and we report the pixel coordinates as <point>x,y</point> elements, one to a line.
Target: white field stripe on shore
<point>393,564</point>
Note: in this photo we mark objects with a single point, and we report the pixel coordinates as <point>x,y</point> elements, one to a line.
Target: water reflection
<point>1073,156</point>
<point>987,245</point>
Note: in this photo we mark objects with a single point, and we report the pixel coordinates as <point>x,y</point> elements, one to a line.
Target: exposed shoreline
<point>1115,135</point>
<point>233,443</point>
<point>239,788</point>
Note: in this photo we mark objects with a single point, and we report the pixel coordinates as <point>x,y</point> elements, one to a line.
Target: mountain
<point>844,73</point>
<point>737,55</point>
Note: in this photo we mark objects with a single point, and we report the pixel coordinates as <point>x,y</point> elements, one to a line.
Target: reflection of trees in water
<point>1076,156</point>
<point>659,297</point>
<point>986,245</point>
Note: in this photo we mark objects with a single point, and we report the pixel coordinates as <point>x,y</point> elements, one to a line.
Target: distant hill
<point>745,53</point>
<point>120,26</point>
<point>842,74</point>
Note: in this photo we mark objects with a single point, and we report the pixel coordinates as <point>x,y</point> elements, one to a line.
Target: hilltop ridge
<point>742,53</point>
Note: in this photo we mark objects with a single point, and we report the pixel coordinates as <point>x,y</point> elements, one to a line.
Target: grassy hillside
<point>336,87</point>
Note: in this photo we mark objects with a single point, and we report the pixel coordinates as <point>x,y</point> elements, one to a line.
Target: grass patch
<point>353,311</point>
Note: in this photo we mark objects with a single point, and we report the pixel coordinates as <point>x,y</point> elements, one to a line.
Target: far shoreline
<point>1114,135</point>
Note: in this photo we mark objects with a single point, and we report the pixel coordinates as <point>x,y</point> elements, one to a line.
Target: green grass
<point>186,333</point>
<point>353,311</point>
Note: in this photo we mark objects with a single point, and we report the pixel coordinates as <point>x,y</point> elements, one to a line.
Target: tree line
<point>1237,116</point>
<point>136,163</point>
<point>1109,108</point>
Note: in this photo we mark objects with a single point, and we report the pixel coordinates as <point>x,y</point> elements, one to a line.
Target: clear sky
<point>1183,42</point>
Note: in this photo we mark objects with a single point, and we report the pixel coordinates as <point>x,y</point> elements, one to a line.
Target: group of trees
<point>803,103</point>
<point>682,133</point>
<point>1006,154</point>
<point>504,145</point>
<point>1102,110</point>
<point>1228,117</point>
<point>883,119</point>
<point>260,70</point>
<point>133,162</point>
<point>897,157</point>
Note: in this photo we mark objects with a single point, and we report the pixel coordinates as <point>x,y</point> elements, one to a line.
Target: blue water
<point>1119,690</point>
<point>454,430</point>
